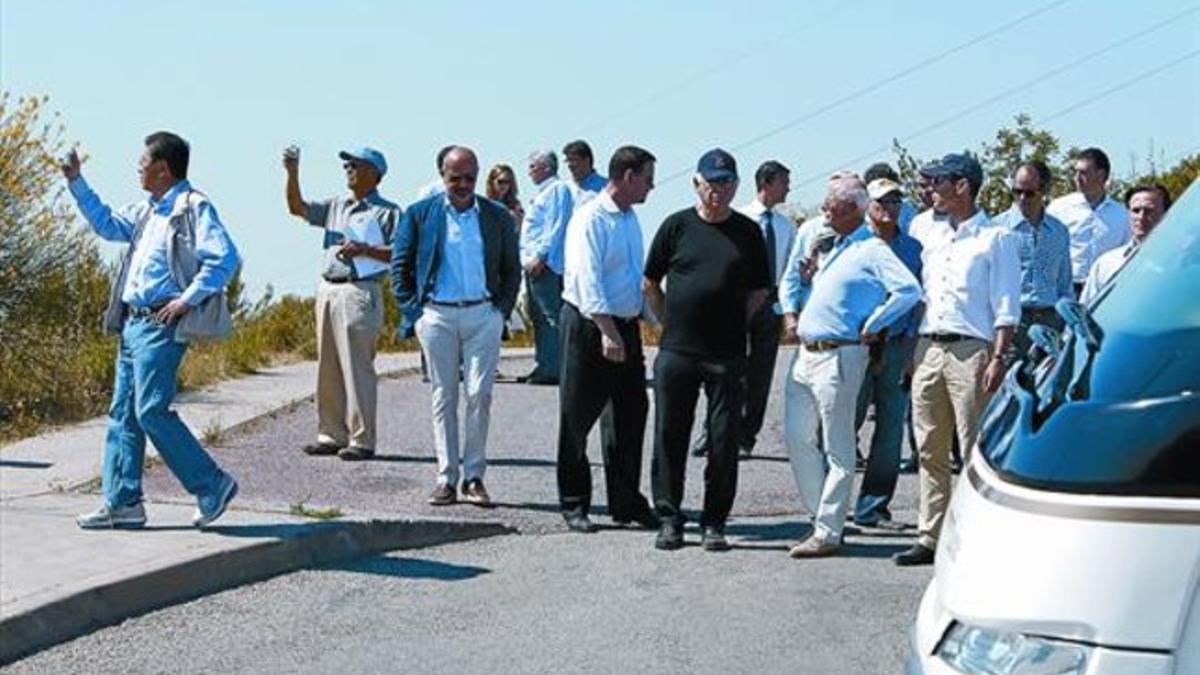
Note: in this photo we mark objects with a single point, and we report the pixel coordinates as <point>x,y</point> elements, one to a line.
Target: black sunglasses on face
<point>1018,193</point>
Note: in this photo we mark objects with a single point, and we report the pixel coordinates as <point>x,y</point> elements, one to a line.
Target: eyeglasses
<point>1019,193</point>
<point>351,164</point>
<point>890,200</point>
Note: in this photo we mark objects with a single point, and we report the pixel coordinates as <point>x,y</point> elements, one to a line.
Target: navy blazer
<point>416,254</point>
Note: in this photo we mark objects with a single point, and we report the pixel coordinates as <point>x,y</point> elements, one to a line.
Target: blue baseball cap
<point>956,164</point>
<point>717,165</point>
<point>369,155</point>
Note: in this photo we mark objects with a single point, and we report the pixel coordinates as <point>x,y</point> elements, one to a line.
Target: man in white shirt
<point>1096,222</point>
<point>542,236</point>
<point>772,181</point>
<point>603,368</point>
<point>972,282</point>
<point>1147,205</point>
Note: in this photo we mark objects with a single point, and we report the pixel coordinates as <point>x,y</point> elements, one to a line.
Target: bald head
<point>460,168</point>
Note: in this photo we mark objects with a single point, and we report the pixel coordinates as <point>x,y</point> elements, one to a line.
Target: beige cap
<point>881,187</point>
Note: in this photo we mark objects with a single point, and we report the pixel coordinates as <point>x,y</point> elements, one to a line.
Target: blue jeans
<point>147,363</point>
<point>545,301</point>
<point>884,385</point>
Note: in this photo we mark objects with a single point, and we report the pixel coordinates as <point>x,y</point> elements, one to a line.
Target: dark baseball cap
<point>956,164</point>
<point>717,165</point>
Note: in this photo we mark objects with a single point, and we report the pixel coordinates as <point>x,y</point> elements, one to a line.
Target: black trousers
<point>677,382</point>
<point>588,385</point>
<point>763,342</point>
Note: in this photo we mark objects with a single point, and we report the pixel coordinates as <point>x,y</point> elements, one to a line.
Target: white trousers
<point>821,395</point>
<point>462,340</point>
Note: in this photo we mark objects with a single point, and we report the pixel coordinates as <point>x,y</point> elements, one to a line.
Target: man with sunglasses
<point>1044,245</point>
<point>714,262</point>
<point>455,274</point>
<point>972,282</point>
<point>358,230</point>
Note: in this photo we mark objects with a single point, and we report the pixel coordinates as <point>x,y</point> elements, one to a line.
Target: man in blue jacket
<point>455,273</point>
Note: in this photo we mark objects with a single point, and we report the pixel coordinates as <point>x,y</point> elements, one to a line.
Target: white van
<point>1072,543</point>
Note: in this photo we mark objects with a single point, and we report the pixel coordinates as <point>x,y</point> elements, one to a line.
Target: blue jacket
<point>416,253</point>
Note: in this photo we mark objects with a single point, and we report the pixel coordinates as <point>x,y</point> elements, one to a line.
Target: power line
<point>1054,72</point>
<point>708,72</point>
<point>889,79</point>
<point>1123,85</point>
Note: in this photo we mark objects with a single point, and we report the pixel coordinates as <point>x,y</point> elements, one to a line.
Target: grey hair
<point>848,189</point>
<point>546,157</point>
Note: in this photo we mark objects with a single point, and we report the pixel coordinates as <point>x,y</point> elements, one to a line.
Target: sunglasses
<point>1019,193</point>
<point>889,200</point>
<point>351,164</point>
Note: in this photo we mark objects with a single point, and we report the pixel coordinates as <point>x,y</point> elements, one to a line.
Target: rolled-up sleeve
<point>216,253</point>
<point>1005,281</point>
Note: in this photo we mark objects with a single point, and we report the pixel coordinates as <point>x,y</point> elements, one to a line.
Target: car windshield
<point>1117,411</point>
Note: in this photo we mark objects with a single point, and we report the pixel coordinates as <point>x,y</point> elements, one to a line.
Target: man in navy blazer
<point>455,274</point>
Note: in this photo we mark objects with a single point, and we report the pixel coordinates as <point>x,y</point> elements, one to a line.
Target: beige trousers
<point>349,318</point>
<point>948,397</point>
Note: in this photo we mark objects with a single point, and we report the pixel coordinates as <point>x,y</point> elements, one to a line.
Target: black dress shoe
<point>714,539</point>
<point>542,379</point>
<point>670,537</point>
<point>646,521</point>
<point>917,554</point>
<point>579,522</point>
<point>321,449</point>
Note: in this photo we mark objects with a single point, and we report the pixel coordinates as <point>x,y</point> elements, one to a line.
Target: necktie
<point>769,235</point>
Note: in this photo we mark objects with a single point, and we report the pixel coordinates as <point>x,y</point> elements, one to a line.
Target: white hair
<point>546,157</point>
<point>848,189</point>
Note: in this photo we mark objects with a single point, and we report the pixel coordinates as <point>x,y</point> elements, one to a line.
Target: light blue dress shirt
<point>793,289</point>
<point>460,275</point>
<point>149,282</point>
<point>1045,251</point>
<point>544,231</point>
<point>861,285</point>
<point>586,190</point>
<point>604,258</point>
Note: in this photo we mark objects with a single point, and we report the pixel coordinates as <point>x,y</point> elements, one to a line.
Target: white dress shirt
<point>604,258</point>
<point>785,232</point>
<point>1093,231</point>
<point>972,276</point>
<point>1103,269</point>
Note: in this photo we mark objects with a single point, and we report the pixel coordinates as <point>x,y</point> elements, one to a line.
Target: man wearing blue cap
<point>714,261</point>
<point>972,282</point>
<point>358,235</point>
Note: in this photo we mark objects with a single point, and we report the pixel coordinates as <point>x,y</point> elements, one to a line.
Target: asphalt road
<point>540,601</point>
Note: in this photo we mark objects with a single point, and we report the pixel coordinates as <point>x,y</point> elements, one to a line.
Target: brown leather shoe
<point>474,493</point>
<point>442,495</point>
<point>814,547</point>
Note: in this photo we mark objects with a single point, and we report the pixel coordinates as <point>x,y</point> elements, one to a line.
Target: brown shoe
<point>442,495</point>
<point>474,493</point>
<point>814,547</point>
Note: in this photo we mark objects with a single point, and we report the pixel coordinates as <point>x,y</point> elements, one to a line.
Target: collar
<point>547,183</point>
<point>371,197</point>
<point>1014,218</point>
<point>164,205</point>
<point>606,202</point>
<point>450,208</point>
<point>972,224</point>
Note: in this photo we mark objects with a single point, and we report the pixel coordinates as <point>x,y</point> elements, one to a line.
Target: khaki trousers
<point>349,318</point>
<point>948,398</point>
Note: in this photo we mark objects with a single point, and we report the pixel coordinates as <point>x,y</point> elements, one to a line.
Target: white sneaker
<point>210,507</point>
<point>105,518</point>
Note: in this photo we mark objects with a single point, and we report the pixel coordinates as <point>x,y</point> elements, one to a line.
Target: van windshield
<point>1118,411</point>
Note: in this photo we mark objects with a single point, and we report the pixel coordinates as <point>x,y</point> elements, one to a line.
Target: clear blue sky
<point>242,80</point>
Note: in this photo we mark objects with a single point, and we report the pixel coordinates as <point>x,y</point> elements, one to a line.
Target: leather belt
<point>950,337</point>
<point>143,312</point>
<point>458,303</point>
<point>828,345</point>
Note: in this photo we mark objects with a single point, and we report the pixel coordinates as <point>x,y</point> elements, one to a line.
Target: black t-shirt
<point>709,269</point>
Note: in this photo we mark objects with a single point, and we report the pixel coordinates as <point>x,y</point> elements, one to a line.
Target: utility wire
<point>708,72</point>
<point>1054,72</point>
<point>887,80</point>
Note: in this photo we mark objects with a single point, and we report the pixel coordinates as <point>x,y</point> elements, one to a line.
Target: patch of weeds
<point>303,510</point>
<point>213,433</point>
<point>151,461</point>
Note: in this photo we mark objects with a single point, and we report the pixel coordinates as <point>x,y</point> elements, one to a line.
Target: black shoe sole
<point>321,450</point>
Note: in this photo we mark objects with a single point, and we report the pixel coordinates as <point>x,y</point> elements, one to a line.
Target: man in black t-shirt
<point>715,264</point>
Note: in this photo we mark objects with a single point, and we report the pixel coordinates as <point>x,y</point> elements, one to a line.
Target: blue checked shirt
<point>149,282</point>
<point>1045,252</point>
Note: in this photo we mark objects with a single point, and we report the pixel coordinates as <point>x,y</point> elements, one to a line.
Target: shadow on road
<point>412,568</point>
<point>492,461</point>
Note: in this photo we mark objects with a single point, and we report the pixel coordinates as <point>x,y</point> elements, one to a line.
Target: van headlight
<point>986,651</point>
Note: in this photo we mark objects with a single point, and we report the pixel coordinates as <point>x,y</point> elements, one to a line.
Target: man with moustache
<point>455,274</point>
